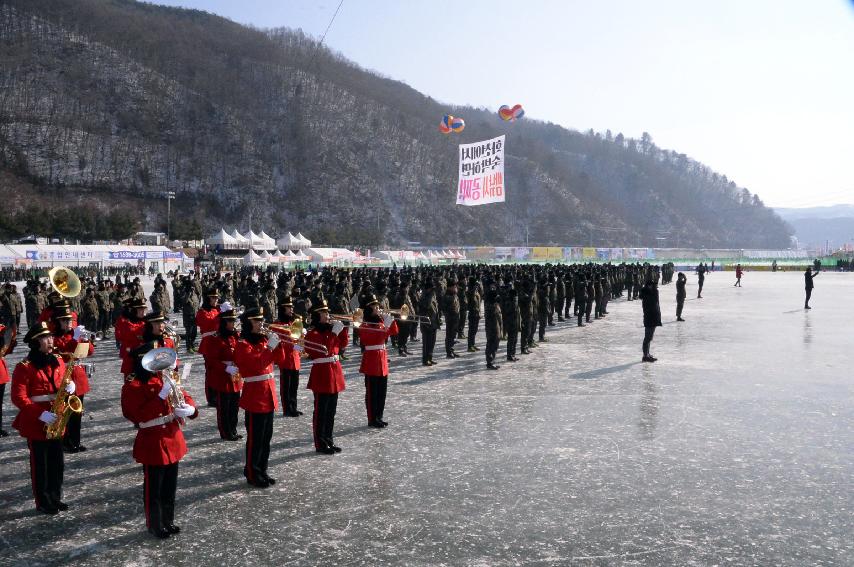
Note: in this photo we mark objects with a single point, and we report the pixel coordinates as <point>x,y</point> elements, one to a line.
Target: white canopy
<point>252,259</point>
<point>265,255</point>
<point>241,240</point>
<point>289,242</point>
<point>269,241</point>
<point>304,242</point>
<point>222,239</point>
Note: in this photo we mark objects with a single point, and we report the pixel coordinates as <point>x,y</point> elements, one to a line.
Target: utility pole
<point>169,196</point>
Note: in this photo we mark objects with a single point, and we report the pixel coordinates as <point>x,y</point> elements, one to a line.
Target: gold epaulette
<point>25,362</point>
<point>130,377</point>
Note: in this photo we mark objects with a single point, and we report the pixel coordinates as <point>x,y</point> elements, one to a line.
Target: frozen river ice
<point>736,448</point>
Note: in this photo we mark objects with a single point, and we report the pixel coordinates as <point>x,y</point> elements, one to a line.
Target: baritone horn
<point>64,281</point>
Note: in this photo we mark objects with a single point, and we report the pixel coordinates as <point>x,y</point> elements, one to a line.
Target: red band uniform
<point>326,378</point>
<point>129,327</point>
<point>35,382</point>
<point>4,373</point>
<point>289,370</point>
<point>219,360</point>
<point>254,360</point>
<point>65,345</point>
<point>159,444</point>
<point>207,320</point>
<point>373,334</point>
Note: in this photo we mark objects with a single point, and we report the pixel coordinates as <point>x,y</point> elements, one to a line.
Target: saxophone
<point>64,405</point>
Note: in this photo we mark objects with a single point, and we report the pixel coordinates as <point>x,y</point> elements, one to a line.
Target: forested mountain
<point>107,104</point>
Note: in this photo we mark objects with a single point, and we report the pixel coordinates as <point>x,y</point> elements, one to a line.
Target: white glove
<point>78,332</point>
<point>226,306</point>
<point>388,319</point>
<point>47,417</point>
<point>299,348</point>
<point>273,341</point>
<point>337,327</point>
<point>231,369</point>
<point>184,410</point>
<point>71,387</point>
<point>165,390</point>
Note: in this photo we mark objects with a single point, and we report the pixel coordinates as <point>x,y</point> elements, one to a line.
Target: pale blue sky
<point>760,90</point>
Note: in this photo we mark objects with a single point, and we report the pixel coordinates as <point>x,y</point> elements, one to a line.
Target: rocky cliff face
<point>110,104</point>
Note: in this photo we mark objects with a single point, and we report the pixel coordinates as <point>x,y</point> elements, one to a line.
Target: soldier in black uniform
<point>526,314</point>
<point>651,315</point>
<point>473,302</point>
<point>510,310</point>
<point>398,300</point>
<point>701,277</point>
<point>591,296</point>
<point>543,308</point>
<point>808,285</point>
<point>560,296</point>
<point>451,313</point>
<point>681,280</point>
<point>580,298</point>
<point>462,298</point>
<point>428,310</point>
<point>492,324</point>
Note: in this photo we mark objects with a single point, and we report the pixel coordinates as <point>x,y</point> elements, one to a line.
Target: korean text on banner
<point>481,173</point>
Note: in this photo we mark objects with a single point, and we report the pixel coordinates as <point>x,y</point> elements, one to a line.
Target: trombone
<point>355,318</point>
<point>406,314</point>
<point>288,332</point>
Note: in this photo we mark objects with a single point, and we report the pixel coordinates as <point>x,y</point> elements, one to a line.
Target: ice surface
<point>735,448</point>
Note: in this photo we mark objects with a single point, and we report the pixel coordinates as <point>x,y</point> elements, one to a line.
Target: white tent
<point>242,241</point>
<point>252,259</point>
<point>254,240</point>
<point>222,240</point>
<point>304,242</point>
<point>301,257</point>
<point>265,255</point>
<point>268,241</point>
<point>289,242</point>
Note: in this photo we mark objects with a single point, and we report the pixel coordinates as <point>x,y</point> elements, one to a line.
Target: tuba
<point>64,281</point>
<point>164,358</point>
<point>66,404</point>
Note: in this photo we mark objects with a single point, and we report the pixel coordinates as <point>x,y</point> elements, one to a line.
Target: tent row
<point>250,241</point>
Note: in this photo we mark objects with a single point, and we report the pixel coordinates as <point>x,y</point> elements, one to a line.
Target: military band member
<point>150,401</point>
<point>254,357</point>
<point>473,303</point>
<point>129,329</point>
<point>326,379</point>
<point>65,341</point>
<point>35,382</point>
<point>223,376</point>
<point>289,371</point>
<point>206,320</point>
<point>4,373</point>
<point>374,331</point>
<point>681,280</point>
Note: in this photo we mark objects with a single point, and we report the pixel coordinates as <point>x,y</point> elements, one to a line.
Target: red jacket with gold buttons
<point>65,343</point>
<point>161,444</point>
<point>220,352</point>
<point>29,382</point>
<point>326,377</point>
<point>255,359</point>
<point>374,333</point>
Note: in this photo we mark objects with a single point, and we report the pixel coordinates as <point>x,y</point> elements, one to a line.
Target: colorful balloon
<point>450,124</point>
<point>511,114</point>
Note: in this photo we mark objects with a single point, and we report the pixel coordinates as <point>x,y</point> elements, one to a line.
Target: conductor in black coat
<point>681,280</point>
<point>651,315</point>
<point>808,285</point>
